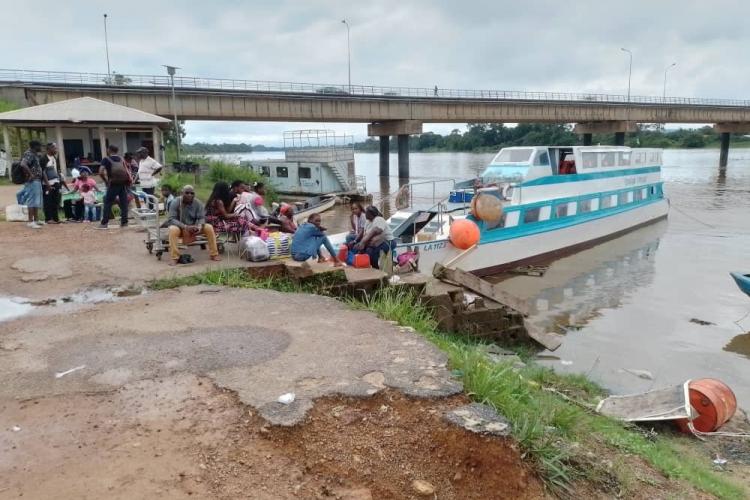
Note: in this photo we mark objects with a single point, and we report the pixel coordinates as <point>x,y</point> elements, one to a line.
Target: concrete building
<point>84,126</point>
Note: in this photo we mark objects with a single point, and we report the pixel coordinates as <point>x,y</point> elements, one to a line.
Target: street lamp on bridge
<point>664,92</point>
<point>348,53</point>
<point>171,71</point>
<point>106,48</point>
<point>630,68</point>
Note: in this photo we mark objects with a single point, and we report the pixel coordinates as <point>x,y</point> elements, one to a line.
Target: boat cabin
<point>525,163</point>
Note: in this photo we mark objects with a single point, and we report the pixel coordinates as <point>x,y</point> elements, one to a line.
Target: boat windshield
<point>522,155</point>
<point>505,173</point>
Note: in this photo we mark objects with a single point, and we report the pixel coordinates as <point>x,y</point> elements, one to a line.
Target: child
<point>88,194</point>
<point>167,196</point>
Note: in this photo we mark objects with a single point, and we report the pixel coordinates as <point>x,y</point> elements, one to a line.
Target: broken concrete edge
<point>479,418</point>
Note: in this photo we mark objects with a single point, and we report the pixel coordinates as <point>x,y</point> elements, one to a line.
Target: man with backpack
<point>29,173</point>
<point>116,176</point>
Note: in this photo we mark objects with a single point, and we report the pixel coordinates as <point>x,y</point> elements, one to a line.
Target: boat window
<point>265,171</point>
<point>511,218</point>
<point>608,159</point>
<point>584,206</point>
<point>282,172</point>
<point>514,156</point>
<point>589,160</point>
<point>652,189</point>
<point>623,158</point>
<point>531,215</point>
<point>638,195</point>
<point>561,210</point>
<point>607,201</point>
<point>622,199</point>
<point>305,172</point>
<point>542,159</point>
<point>653,158</point>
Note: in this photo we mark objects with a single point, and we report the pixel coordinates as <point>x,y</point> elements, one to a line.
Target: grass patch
<point>549,412</point>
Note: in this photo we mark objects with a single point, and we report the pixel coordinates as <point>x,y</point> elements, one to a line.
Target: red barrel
<point>343,253</point>
<point>713,401</point>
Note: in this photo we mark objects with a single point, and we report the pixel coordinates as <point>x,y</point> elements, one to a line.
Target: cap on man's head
<point>188,187</point>
<point>34,144</point>
<point>141,150</point>
<point>51,145</point>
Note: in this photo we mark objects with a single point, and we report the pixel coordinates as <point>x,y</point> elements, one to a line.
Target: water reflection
<point>576,288</point>
<point>740,345</point>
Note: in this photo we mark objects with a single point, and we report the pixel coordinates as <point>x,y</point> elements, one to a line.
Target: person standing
<point>116,176</point>
<point>133,168</point>
<point>147,169</point>
<point>53,184</point>
<point>31,192</point>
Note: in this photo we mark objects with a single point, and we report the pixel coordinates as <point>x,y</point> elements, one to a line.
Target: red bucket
<point>343,253</point>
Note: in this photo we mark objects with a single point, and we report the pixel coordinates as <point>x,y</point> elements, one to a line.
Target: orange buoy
<point>464,233</point>
<point>713,401</point>
<point>486,207</point>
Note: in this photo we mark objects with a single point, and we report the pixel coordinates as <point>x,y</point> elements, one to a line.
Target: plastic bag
<point>16,213</point>
<point>255,249</point>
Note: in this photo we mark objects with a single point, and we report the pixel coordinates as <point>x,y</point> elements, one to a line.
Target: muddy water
<point>628,304</point>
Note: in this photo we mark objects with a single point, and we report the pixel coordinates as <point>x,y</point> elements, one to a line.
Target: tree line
<point>479,137</point>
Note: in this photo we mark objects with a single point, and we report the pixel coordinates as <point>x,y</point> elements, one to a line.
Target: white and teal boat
<point>555,200</point>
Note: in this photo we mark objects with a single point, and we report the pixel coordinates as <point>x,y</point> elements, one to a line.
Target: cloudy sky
<point>540,45</point>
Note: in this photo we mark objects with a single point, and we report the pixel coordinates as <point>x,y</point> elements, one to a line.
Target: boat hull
<point>492,257</point>
<point>743,282</point>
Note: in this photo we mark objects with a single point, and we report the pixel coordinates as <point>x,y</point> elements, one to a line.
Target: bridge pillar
<point>6,143</point>
<point>617,127</point>
<point>587,139</point>
<point>725,130</point>
<point>385,153</point>
<point>403,156</point>
<point>401,128</point>
<point>724,152</point>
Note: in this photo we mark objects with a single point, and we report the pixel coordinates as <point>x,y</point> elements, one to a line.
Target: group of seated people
<point>240,209</point>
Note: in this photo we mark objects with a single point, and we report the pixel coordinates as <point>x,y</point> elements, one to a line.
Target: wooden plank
<point>480,286</point>
<point>548,340</point>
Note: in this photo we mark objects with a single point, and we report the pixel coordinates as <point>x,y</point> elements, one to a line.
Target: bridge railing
<point>322,89</point>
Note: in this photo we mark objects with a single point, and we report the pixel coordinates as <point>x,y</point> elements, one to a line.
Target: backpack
<point>119,174</point>
<point>17,174</point>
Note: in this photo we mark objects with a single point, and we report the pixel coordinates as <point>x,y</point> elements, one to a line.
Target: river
<point>642,301</point>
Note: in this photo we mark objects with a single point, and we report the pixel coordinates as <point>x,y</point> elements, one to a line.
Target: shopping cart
<point>157,237</point>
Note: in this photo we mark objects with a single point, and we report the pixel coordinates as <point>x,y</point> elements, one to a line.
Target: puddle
<point>13,307</point>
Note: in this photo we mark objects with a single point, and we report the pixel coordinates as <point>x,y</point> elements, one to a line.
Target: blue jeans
<point>321,240</point>
<point>89,213</point>
<point>120,192</point>
<point>30,194</point>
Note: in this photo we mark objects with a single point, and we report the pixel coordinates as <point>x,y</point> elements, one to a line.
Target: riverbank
<point>174,391</point>
<point>551,415</point>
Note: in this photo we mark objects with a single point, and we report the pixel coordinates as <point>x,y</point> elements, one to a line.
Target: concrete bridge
<point>399,111</point>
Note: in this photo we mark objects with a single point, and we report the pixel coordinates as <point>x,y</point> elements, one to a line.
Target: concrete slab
<point>258,343</point>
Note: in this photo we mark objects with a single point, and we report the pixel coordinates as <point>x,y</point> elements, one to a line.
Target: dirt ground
<point>173,394</point>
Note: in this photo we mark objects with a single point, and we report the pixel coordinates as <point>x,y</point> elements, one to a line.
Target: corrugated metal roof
<point>81,110</point>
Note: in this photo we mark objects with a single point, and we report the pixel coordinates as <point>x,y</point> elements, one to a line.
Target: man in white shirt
<point>147,169</point>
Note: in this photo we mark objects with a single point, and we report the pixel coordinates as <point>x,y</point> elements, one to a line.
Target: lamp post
<point>106,48</point>
<point>349,53</point>
<point>664,92</point>
<point>171,71</point>
<point>630,69</point>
